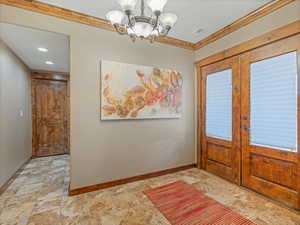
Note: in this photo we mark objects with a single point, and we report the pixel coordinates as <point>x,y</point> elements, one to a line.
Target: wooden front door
<point>270,120</point>
<point>220,122</point>
<point>50,117</point>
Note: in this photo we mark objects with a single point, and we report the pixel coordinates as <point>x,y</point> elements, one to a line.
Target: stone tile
<point>17,213</point>
<point>28,189</point>
<point>189,179</point>
<point>73,207</point>
<point>2,203</point>
<point>50,217</point>
<point>39,197</point>
<point>47,205</point>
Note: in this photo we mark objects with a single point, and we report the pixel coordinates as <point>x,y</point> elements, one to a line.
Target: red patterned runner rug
<point>183,204</point>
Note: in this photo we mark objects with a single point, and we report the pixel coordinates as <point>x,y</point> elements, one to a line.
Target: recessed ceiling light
<point>43,49</point>
<point>49,63</point>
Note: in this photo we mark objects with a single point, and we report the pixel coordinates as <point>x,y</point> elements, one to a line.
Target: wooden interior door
<point>220,122</point>
<point>50,120</point>
<point>270,120</point>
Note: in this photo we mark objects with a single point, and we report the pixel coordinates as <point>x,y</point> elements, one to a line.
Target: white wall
<point>103,151</point>
<point>283,16</point>
<point>15,131</point>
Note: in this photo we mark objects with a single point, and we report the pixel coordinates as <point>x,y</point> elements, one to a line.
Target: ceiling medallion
<point>142,26</point>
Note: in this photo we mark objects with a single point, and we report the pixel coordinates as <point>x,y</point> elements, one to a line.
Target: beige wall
<point>108,150</point>
<point>279,18</point>
<point>15,130</point>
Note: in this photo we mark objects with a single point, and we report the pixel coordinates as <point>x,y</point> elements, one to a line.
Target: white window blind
<point>219,105</point>
<point>273,102</point>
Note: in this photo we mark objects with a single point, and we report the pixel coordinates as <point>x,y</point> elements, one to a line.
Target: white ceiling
<point>24,42</point>
<point>209,15</point>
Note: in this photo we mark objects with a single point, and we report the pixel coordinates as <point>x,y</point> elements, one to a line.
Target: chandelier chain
<point>142,8</point>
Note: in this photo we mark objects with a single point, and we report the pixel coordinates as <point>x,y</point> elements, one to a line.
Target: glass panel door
<point>221,119</point>
<point>269,120</point>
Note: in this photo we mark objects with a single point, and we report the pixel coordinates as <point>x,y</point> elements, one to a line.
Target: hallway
<point>39,197</point>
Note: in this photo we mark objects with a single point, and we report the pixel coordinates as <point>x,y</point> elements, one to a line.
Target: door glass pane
<point>273,102</point>
<point>219,105</point>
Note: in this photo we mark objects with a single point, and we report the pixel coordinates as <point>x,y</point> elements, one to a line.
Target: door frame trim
<point>55,76</point>
<point>281,33</point>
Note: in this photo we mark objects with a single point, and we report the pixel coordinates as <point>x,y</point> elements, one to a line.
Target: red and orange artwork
<point>139,92</point>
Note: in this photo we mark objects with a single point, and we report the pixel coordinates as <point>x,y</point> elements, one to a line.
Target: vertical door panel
<point>269,119</point>
<point>220,122</point>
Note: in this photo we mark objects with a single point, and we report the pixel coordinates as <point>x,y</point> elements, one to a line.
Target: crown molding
<point>251,17</point>
<point>262,40</point>
<point>51,10</point>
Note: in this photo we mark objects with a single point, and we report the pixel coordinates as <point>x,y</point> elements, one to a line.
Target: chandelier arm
<point>128,14</point>
<point>165,31</point>
<point>152,39</point>
<point>130,22</point>
<point>120,29</point>
<point>156,23</point>
<point>132,37</point>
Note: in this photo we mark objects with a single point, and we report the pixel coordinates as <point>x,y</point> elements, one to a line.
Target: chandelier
<point>150,26</point>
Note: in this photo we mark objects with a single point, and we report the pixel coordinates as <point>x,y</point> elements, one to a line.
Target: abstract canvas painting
<point>139,92</point>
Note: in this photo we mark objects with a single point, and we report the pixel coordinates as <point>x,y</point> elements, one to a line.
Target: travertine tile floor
<point>39,197</point>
